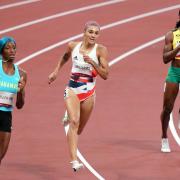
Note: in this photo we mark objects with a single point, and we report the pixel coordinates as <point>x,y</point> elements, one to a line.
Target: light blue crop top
<point>8,88</point>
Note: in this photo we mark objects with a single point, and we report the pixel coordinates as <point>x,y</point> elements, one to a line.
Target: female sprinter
<point>88,60</point>
<point>12,83</point>
<point>171,54</point>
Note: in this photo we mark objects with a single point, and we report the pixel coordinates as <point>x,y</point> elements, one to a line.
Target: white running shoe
<point>165,145</point>
<point>76,165</point>
<point>65,119</point>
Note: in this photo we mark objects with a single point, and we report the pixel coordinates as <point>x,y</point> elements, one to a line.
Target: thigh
<point>4,142</point>
<point>72,105</point>
<point>86,108</point>
<point>170,94</point>
<point>4,138</point>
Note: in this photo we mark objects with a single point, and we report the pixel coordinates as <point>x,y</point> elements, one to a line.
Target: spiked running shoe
<point>165,145</point>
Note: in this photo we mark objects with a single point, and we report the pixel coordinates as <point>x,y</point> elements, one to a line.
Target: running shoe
<point>76,165</point>
<point>65,119</point>
<point>165,145</point>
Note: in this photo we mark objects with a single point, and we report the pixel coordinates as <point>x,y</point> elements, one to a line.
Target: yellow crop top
<point>176,42</point>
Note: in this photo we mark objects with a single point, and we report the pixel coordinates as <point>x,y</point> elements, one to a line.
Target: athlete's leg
<point>73,108</point>
<point>85,112</point>
<point>170,95</point>
<point>4,143</point>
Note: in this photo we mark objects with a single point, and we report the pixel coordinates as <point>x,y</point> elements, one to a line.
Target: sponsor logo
<point>75,58</point>
<point>82,67</point>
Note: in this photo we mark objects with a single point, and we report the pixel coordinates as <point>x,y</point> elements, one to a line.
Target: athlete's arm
<point>168,52</point>
<point>62,61</point>
<point>21,93</point>
<point>103,68</point>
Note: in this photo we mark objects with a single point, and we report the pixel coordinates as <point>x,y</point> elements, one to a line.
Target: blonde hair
<point>91,23</point>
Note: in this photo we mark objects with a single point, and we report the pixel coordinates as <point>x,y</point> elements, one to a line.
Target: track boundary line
<point>103,28</point>
<point>17,4</point>
<point>84,8</point>
<point>117,23</point>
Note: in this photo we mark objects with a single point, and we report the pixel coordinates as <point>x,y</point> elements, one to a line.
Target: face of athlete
<point>9,52</point>
<point>91,34</point>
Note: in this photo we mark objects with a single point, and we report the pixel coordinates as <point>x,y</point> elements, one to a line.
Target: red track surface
<point>122,139</point>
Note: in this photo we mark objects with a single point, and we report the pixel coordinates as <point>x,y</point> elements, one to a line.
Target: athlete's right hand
<point>52,77</point>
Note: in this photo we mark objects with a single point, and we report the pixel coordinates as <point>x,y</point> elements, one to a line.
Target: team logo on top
<point>75,58</point>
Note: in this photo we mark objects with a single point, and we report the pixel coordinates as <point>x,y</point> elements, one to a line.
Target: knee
<point>74,122</point>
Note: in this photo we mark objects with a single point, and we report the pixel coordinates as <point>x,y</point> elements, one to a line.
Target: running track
<point>122,139</point>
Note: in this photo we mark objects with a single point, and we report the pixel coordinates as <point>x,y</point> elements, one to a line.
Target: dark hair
<point>178,22</point>
<point>4,41</point>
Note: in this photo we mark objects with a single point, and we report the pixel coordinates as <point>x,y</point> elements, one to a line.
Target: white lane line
<point>85,8</point>
<point>172,127</point>
<point>111,63</point>
<point>139,48</point>
<point>83,160</point>
<point>17,4</point>
<point>173,130</point>
<point>141,16</point>
<point>103,28</point>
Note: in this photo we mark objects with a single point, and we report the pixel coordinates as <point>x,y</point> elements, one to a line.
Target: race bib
<point>6,98</point>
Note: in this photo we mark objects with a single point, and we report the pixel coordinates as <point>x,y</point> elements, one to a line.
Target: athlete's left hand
<point>87,59</point>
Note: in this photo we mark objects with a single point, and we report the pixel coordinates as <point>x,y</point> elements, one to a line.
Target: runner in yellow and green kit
<point>171,53</point>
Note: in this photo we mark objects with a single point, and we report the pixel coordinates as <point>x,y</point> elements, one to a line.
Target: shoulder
<point>22,73</point>
<point>101,49</point>
<point>175,29</point>
<point>169,33</point>
<point>72,44</point>
<point>169,36</point>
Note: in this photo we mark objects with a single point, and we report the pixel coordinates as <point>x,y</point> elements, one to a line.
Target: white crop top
<point>78,63</point>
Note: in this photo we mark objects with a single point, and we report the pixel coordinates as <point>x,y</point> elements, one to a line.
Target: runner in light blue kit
<point>12,89</point>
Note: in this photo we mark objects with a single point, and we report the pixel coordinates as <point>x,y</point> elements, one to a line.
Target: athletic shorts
<point>82,85</point>
<point>173,75</point>
<point>5,121</point>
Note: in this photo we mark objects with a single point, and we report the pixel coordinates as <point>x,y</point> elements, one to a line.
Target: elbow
<point>19,105</point>
<point>165,60</point>
<point>105,77</point>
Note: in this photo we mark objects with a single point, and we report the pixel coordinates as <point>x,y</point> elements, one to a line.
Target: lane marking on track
<point>139,48</point>
<point>102,28</point>
<point>85,8</point>
<point>80,156</point>
<point>172,127</point>
<point>111,63</point>
<point>17,4</point>
<point>173,130</point>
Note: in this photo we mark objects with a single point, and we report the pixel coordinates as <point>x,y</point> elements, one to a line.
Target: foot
<point>65,119</point>
<point>165,145</point>
<point>76,165</point>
